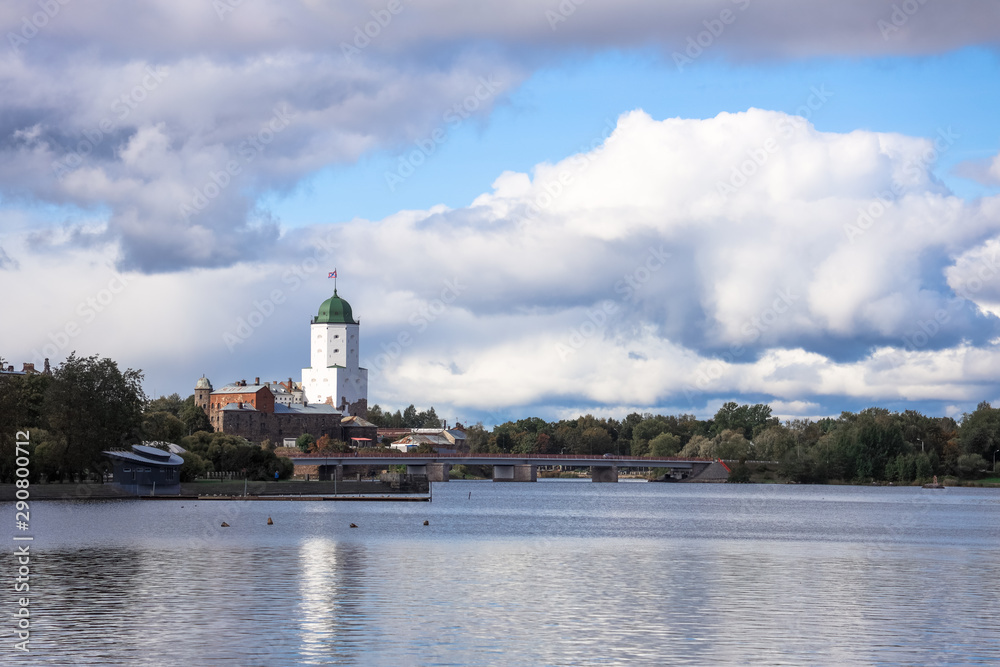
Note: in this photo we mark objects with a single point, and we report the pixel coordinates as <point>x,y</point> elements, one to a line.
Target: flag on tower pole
<point>333,274</point>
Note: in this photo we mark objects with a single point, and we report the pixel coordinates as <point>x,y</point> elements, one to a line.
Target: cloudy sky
<point>535,207</point>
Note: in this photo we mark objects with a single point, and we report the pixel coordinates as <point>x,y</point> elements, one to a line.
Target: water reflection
<point>335,602</point>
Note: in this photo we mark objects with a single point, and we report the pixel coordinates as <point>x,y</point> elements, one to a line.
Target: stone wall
<point>257,426</point>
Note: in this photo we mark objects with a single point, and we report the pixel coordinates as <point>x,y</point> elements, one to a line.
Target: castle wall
<point>258,426</point>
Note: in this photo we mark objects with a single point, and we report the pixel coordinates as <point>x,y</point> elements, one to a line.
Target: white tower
<point>334,375</point>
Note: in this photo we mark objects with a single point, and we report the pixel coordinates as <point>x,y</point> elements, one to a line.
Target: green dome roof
<point>334,311</point>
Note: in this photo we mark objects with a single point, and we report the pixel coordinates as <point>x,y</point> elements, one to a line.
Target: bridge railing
<point>480,455</point>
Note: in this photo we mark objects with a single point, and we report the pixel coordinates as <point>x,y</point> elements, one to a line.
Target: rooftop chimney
<point>256,380</point>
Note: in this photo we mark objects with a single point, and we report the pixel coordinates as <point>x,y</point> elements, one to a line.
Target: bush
<point>194,466</point>
<point>304,441</point>
<point>969,465</point>
<point>739,473</point>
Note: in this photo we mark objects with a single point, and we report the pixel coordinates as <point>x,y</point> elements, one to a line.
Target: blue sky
<point>596,207</point>
<point>562,108</point>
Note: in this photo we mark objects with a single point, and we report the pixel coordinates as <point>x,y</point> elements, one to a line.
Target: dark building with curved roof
<point>146,470</point>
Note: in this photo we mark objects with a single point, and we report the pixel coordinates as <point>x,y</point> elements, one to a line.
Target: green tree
<point>477,438</point>
<point>969,465</point>
<point>305,441</point>
<point>567,439</point>
<point>411,417</point>
<point>230,453</point>
<point>739,473</point>
<point>162,427</point>
<point>526,443</point>
<point>501,441</point>
<point>773,443</point>
<point>428,419</point>
<point>21,398</point>
<point>879,439</point>
<point>172,404</point>
<point>748,419</point>
<point>595,440</point>
<point>980,431</point>
<point>698,447</point>
<point>93,406</point>
<point>732,446</point>
<point>194,417</point>
<point>194,466</point>
<point>376,416</point>
<point>644,431</point>
<point>924,468</point>
<point>665,444</point>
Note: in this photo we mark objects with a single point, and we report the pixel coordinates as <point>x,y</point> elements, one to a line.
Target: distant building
<point>361,433</point>
<point>26,369</point>
<point>147,470</point>
<point>333,388</point>
<point>334,375</point>
<point>287,393</point>
<point>283,421</point>
<point>444,441</point>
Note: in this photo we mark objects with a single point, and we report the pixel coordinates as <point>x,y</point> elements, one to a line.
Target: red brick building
<point>250,411</point>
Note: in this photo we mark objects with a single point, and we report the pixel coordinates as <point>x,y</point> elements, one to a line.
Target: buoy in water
<point>426,522</point>
<point>269,522</point>
<point>354,525</point>
<point>225,525</point>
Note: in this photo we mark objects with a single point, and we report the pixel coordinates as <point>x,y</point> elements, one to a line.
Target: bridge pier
<point>330,472</point>
<point>604,473</point>
<point>435,472</point>
<point>515,473</point>
<point>438,472</point>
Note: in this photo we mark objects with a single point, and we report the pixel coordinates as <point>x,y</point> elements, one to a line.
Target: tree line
<point>874,444</point>
<point>88,405</point>
<point>408,418</point>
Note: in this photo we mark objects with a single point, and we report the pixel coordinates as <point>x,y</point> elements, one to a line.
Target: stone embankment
<point>95,491</point>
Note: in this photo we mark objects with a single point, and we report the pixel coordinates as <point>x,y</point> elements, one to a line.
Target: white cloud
<point>751,28</point>
<point>180,151</point>
<point>145,104</point>
<point>634,283</point>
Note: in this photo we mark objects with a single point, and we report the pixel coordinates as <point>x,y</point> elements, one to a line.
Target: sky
<point>535,208</point>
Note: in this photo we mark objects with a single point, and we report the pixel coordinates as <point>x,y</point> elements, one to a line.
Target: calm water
<point>553,573</point>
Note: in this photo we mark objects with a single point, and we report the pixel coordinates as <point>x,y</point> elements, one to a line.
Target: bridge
<point>506,467</point>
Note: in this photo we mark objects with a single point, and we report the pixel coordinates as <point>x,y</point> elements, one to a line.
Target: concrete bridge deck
<point>506,467</point>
